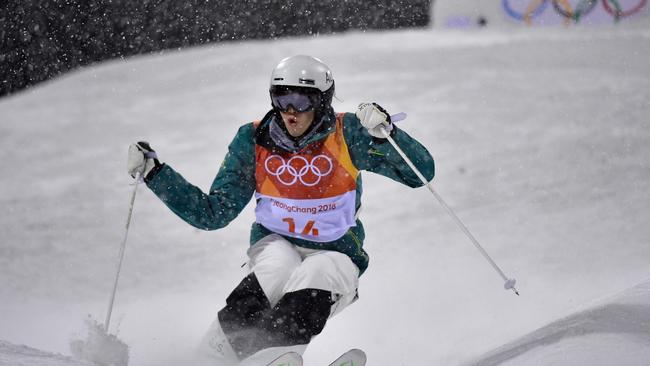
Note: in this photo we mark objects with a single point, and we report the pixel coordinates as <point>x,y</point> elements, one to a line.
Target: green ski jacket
<point>235,182</point>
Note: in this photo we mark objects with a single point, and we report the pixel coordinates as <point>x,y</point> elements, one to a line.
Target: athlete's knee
<point>273,260</point>
<point>330,271</point>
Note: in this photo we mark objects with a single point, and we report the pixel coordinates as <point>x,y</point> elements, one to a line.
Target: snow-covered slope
<point>613,332</point>
<point>541,141</point>
<point>13,355</point>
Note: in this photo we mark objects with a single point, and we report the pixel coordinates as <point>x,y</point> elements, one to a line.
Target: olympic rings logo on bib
<point>299,168</point>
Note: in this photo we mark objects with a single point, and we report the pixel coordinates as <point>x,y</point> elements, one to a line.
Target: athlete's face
<point>297,123</point>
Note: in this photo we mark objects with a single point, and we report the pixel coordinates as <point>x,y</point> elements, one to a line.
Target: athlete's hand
<point>374,118</point>
<point>142,159</point>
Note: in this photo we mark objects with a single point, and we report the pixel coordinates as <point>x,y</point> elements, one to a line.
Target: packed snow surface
<point>613,332</point>
<point>14,355</point>
<point>541,141</point>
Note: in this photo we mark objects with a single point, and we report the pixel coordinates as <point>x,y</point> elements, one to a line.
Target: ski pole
<point>509,282</point>
<point>122,250</point>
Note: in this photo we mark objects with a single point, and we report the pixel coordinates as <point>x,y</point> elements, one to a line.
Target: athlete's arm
<point>230,192</point>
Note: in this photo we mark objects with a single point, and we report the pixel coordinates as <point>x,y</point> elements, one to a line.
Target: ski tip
<point>353,357</point>
<point>287,359</point>
<point>357,352</point>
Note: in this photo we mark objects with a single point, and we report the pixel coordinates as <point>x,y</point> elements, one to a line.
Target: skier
<point>301,161</point>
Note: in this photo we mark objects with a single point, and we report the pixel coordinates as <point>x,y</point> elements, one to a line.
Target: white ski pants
<point>281,267</point>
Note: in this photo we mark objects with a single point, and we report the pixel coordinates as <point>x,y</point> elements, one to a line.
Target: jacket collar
<point>272,134</point>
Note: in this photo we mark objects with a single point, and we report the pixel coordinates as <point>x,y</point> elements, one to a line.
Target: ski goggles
<point>298,101</point>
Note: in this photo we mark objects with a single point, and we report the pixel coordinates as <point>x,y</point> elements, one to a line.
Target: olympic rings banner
<point>572,11</point>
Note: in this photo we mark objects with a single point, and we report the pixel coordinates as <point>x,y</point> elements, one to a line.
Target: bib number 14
<point>309,228</point>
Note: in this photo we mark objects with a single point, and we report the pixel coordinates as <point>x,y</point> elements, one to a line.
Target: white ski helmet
<point>303,71</point>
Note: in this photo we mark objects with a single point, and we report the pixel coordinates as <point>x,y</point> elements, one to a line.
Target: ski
<point>353,357</point>
<point>287,359</point>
